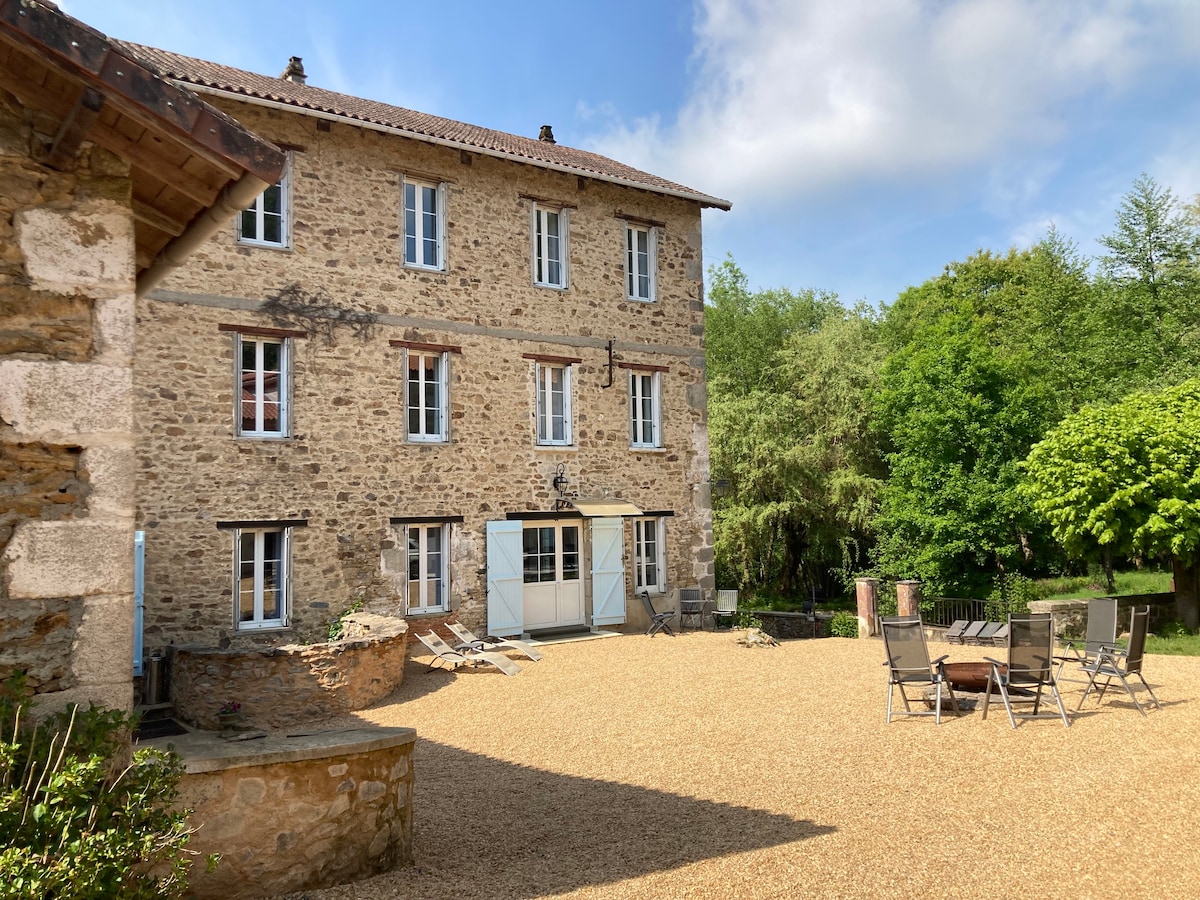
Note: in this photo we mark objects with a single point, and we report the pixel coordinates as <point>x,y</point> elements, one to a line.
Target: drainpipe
<point>232,200</point>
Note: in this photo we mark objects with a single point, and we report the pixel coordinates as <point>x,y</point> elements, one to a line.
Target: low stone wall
<point>787,625</point>
<point>279,687</point>
<point>293,814</point>
<point>1070,616</point>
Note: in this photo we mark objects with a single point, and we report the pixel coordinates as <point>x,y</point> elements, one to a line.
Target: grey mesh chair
<point>1029,669</point>
<point>1112,662</point>
<point>1101,633</point>
<point>691,607</point>
<point>659,621</point>
<point>909,666</point>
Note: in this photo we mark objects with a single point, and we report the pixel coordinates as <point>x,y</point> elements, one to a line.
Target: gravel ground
<point>634,767</point>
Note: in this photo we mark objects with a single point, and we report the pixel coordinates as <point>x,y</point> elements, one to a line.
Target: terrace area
<point>633,767</point>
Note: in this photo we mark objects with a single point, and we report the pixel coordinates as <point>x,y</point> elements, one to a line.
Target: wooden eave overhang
<point>192,166</point>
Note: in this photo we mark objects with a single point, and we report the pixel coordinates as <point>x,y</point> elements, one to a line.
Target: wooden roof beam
<point>74,130</point>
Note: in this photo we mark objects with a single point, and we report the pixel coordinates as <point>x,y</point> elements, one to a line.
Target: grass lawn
<point>1135,581</point>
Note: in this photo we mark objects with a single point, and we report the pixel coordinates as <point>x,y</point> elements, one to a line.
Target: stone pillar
<point>908,598</point>
<point>66,402</point>
<point>867,592</point>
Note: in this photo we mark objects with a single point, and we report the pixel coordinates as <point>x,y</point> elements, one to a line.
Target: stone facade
<point>66,418</point>
<point>292,814</point>
<point>346,473</point>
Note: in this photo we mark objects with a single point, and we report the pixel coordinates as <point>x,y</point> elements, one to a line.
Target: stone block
<point>75,559</point>
<point>103,651</point>
<point>87,246</point>
<point>63,400</point>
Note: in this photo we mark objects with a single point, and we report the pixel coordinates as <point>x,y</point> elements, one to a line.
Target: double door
<point>553,590</point>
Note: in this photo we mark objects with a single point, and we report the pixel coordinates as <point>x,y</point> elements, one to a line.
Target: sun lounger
<point>447,655</point>
<point>971,634</point>
<point>491,642</point>
<point>954,634</point>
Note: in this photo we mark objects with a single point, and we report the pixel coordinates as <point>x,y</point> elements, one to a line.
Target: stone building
<point>435,369</point>
<point>108,174</point>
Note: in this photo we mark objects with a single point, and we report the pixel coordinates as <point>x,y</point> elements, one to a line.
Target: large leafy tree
<point>1125,479</point>
<point>960,404</point>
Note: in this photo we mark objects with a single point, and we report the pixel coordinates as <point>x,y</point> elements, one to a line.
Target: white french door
<point>553,589</point>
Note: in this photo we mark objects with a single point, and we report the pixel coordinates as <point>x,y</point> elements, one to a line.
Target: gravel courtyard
<point>695,767</point>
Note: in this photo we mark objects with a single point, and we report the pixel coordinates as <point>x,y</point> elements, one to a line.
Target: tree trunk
<point>1108,571</point>
<point>1187,591</point>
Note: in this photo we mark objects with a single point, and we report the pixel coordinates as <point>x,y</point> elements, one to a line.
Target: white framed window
<point>641,262</point>
<point>261,577</point>
<point>550,553</point>
<point>428,566</point>
<point>645,408</point>
<point>549,247</point>
<point>649,555</point>
<point>427,395</point>
<point>263,375</point>
<point>424,224</point>
<point>267,221</point>
<point>553,404</point>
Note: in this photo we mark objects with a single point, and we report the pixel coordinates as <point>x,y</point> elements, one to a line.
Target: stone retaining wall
<point>278,687</point>
<point>785,625</point>
<point>297,814</point>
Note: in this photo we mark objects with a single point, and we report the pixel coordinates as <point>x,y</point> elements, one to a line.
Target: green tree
<point>788,379</point>
<point>959,404</point>
<point>1125,478</point>
<point>1150,290</point>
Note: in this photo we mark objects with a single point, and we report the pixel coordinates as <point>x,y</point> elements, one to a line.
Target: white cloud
<point>806,95</point>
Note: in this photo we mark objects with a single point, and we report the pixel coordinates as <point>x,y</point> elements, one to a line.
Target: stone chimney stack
<point>546,135</point>
<point>294,71</point>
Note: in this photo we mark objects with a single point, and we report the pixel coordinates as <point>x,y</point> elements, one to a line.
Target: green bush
<point>338,625</point>
<point>746,619</point>
<point>1012,594</point>
<point>843,624</point>
<point>82,817</point>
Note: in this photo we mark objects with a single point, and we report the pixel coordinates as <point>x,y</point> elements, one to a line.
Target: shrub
<point>1012,594</point>
<point>843,624</point>
<point>82,817</point>
<point>747,619</point>
<point>338,625</point>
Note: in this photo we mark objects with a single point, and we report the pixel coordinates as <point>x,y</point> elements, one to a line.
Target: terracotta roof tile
<point>202,73</point>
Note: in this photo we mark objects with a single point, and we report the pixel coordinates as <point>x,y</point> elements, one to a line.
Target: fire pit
<point>970,676</point>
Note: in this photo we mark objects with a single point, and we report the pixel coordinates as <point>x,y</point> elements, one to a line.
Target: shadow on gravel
<point>487,828</point>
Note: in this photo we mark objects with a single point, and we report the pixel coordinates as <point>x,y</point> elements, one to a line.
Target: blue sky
<point>864,144</point>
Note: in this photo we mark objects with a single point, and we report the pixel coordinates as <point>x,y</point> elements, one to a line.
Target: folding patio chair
<point>444,653</point>
<point>491,642</point>
<point>727,602</point>
<point>1112,662</point>
<point>909,665</point>
<point>658,620</point>
<point>691,607</point>
<point>1101,633</point>
<point>1029,669</point>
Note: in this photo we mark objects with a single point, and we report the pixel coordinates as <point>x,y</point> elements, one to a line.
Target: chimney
<point>294,71</point>
<point>546,135</point>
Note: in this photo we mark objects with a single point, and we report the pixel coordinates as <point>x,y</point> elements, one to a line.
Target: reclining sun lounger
<point>971,634</point>
<point>954,634</point>
<point>444,653</point>
<point>491,642</point>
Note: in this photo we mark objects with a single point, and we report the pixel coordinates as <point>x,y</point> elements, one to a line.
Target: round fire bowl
<point>969,676</point>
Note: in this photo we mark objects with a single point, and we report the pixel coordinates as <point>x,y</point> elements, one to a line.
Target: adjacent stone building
<point>107,175</point>
<point>436,369</point>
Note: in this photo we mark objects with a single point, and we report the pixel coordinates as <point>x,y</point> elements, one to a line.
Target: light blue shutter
<point>608,572</point>
<point>505,582</point>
